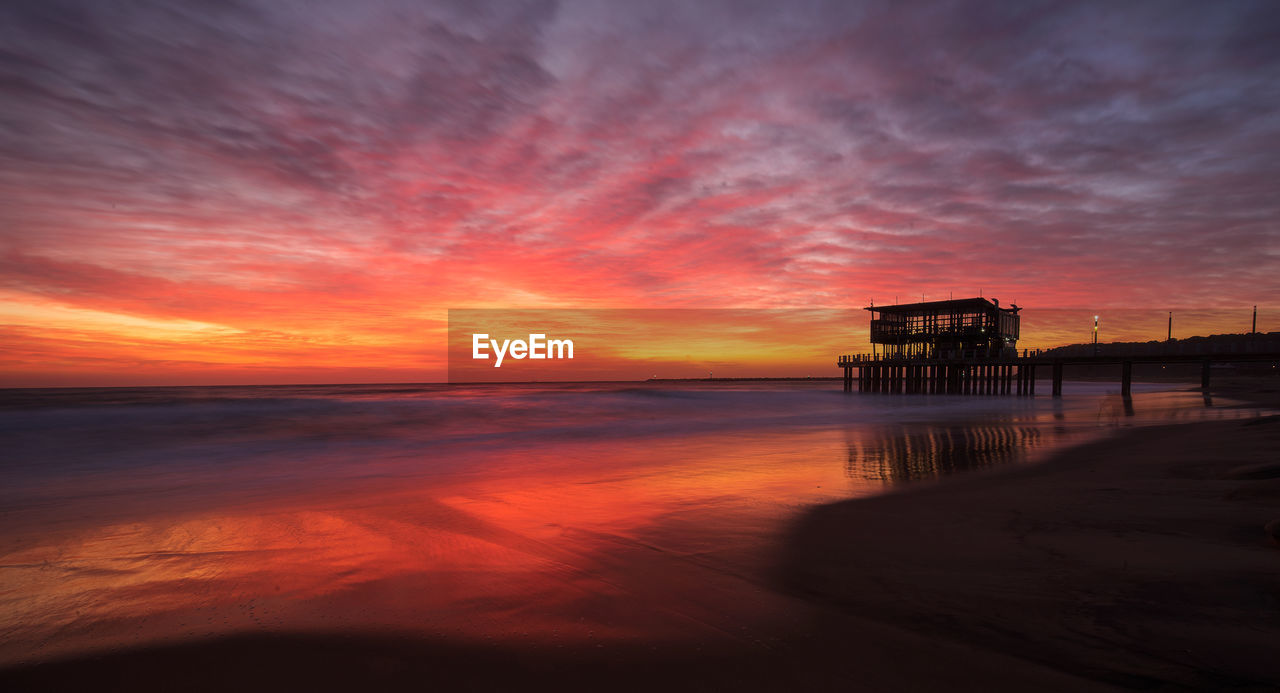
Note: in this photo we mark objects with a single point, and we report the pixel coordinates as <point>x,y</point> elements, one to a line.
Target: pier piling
<point>1004,376</point>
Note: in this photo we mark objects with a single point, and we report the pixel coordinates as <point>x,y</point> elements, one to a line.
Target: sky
<point>257,192</point>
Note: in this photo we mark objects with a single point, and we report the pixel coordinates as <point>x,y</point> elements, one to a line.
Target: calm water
<point>552,512</point>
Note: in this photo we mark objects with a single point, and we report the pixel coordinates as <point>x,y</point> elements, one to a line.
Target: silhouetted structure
<point>962,328</point>
<point>968,347</point>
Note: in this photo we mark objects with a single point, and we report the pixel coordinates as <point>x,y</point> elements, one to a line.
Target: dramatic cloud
<point>298,191</point>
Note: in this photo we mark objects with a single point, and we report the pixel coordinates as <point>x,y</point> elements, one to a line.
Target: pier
<point>969,347</point>
<point>1007,376</point>
<point>936,376</point>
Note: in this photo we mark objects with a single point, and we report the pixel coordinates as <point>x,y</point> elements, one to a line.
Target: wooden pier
<point>968,346</point>
<point>1005,376</point>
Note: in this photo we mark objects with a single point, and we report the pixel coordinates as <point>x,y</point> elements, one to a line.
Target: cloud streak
<point>333,169</point>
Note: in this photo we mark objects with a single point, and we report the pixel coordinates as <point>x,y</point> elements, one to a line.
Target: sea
<point>561,513</point>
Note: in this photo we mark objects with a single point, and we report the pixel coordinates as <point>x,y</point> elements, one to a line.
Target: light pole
<point>1095,335</point>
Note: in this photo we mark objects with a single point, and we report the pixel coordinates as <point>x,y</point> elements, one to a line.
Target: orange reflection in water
<point>658,539</point>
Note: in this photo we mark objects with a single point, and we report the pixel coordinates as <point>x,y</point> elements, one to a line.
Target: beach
<point>1139,561</point>
<point>594,345</point>
<point>1123,557</point>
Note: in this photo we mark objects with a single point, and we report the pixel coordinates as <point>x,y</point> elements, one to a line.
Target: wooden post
<point>1204,375</point>
<point>1126,378</point>
<point>1032,376</point>
<point>1057,379</point>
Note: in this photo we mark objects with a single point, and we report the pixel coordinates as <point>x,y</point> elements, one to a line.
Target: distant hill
<point>1260,342</point>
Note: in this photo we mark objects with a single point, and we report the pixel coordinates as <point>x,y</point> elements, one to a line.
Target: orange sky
<point>258,194</point>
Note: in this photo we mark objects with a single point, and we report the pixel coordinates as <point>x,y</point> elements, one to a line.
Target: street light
<point>1095,335</point>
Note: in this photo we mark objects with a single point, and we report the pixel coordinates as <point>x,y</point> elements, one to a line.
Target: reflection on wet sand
<point>575,539</point>
<point>901,453</point>
<point>662,541</point>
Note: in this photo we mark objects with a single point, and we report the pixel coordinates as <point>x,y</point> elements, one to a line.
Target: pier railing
<point>857,359</point>
<point>966,373</point>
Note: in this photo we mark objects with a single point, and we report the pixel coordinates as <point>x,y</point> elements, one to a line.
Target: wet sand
<point>1140,560</point>
<point>1136,561</point>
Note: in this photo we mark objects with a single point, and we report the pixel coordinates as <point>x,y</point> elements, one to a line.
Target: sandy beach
<point>1136,561</point>
<point>1139,561</point>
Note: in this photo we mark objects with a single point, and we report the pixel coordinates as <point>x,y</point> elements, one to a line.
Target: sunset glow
<point>331,559</point>
<point>267,193</point>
